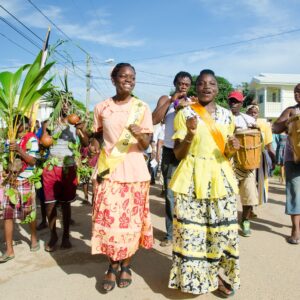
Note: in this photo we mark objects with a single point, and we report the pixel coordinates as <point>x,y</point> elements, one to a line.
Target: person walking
<point>205,214</point>
<point>19,203</point>
<point>292,170</point>
<point>165,111</point>
<point>121,217</point>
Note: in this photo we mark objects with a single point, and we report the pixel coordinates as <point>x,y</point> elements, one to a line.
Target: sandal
<point>110,283</point>
<point>224,287</point>
<point>36,247</point>
<point>125,282</point>
<point>5,258</point>
<point>292,241</point>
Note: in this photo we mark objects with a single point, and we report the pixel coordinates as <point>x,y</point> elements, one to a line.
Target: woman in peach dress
<point>121,217</point>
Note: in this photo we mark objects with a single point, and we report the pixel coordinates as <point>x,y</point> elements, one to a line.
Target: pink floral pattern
<point>121,219</point>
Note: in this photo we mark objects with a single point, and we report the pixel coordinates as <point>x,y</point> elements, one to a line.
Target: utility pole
<point>88,84</point>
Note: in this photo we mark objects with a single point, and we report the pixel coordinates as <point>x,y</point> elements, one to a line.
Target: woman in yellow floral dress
<point>205,215</point>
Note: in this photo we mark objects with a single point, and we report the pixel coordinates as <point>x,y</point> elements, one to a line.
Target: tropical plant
<point>17,97</point>
<point>56,98</point>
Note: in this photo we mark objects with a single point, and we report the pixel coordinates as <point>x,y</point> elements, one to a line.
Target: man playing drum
<point>288,119</point>
<point>247,181</point>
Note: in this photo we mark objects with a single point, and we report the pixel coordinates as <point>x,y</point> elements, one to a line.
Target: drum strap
<point>211,124</point>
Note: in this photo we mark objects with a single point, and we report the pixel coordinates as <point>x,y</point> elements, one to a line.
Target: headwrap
<point>252,106</point>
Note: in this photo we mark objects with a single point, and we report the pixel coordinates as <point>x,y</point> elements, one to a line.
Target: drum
<point>249,154</point>
<point>294,134</point>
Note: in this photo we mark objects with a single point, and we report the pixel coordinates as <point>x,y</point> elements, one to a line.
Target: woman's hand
<point>232,146</point>
<point>142,138</point>
<point>136,131</point>
<point>191,125</point>
<point>234,143</point>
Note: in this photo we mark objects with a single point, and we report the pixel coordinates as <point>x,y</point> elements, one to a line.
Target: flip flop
<point>292,241</point>
<point>36,247</point>
<point>49,249</point>
<point>5,258</point>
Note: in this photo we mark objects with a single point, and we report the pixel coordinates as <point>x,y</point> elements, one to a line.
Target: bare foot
<point>50,246</point>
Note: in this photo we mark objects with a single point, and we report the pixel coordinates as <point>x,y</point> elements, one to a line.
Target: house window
<point>261,98</point>
<point>273,95</point>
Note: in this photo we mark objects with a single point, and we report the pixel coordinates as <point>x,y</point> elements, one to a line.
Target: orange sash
<point>210,123</point>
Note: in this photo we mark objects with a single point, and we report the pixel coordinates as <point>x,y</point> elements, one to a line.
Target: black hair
<point>206,72</point>
<point>118,67</point>
<point>182,74</point>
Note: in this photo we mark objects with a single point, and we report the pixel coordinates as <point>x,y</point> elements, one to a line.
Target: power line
<point>20,32</point>
<point>13,42</point>
<point>141,82</point>
<point>20,22</point>
<point>157,74</point>
<point>220,45</point>
<point>60,30</point>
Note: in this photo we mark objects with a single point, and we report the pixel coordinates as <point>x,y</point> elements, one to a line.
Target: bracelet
<point>176,103</point>
<point>188,141</point>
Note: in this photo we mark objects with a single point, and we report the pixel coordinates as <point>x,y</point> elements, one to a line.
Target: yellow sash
<point>107,164</point>
<point>208,120</point>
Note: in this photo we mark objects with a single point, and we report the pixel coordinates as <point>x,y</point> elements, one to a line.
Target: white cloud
<point>97,30</point>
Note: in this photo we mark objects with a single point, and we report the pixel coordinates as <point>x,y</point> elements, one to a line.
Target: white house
<point>274,92</point>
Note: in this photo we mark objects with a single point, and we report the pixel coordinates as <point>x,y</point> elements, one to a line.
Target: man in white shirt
<point>165,110</point>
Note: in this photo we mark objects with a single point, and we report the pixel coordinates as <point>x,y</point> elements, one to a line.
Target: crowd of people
<point>198,147</point>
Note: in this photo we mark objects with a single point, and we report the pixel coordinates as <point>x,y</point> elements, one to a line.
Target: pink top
<point>111,118</point>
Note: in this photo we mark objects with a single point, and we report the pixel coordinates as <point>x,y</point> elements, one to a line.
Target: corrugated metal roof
<point>279,79</point>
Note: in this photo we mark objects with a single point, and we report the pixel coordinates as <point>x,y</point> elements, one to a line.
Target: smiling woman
<point>205,230</point>
<point>121,217</point>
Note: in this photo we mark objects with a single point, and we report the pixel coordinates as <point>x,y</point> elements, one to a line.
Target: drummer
<point>292,170</point>
<point>247,181</point>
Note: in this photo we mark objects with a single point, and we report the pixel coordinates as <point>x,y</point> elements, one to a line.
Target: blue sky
<point>151,34</point>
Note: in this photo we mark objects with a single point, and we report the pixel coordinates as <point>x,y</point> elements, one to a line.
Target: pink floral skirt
<point>121,219</point>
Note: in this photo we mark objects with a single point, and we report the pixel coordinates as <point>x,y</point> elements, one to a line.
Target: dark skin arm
<point>30,160</point>
<point>271,152</point>
<point>163,105</point>
<point>160,144</point>
<point>143,139</point>
<point>182,147</point>
<point>82,133</point>
<point>279,125</point>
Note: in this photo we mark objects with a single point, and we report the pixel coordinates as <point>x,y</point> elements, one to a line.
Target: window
<point>273,95</point>
<point>261,98</point>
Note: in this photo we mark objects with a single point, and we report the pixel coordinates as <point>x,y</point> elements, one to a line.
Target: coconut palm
<point>29,91</point>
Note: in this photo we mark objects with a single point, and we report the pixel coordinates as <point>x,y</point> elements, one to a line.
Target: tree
<point>249,95</point>
<point>225,87</point>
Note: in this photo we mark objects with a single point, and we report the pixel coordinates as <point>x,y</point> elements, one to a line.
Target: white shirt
<point>243,121</point>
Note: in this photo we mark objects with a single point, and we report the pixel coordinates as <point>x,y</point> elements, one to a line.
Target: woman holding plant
<point>121,218</point>
<point>19,196</point>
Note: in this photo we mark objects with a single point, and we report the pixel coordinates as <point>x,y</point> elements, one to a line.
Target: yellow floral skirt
<point>205,239</point>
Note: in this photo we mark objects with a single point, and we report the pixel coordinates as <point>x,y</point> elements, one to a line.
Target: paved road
<point>270,268</point>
